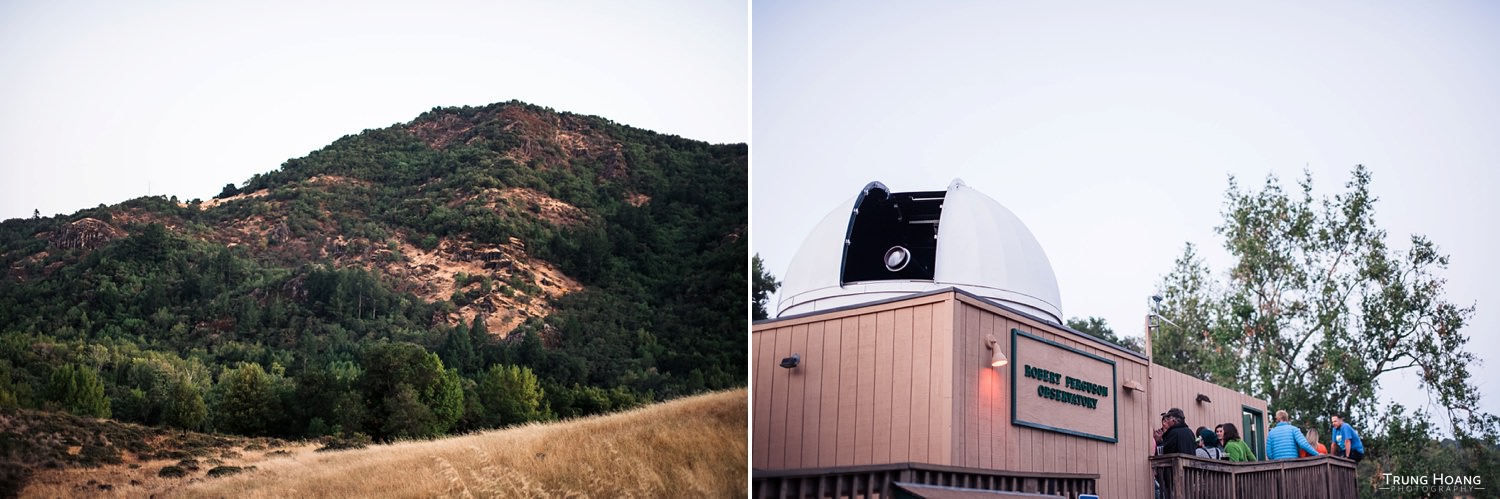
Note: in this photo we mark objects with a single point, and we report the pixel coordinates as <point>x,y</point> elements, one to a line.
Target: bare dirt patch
<point>637,200</point>
<point>554,211</point>
<point>219,201</point>
<point>337,180</point>
<point>520,287</point>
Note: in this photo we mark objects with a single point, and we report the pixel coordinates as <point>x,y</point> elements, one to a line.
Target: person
<point>1208,444</point>
<point>1156,436</point>
<point>1312,436</point>
<point>1178,439</point>
<point>1283,440</point>
<point>1346,441</point>
<point>1236,448</point>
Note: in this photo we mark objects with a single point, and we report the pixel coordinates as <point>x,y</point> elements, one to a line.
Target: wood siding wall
<point>873,387</point>
<point>1174,389</point>
<point>993,442</point>
<point>909,381</point>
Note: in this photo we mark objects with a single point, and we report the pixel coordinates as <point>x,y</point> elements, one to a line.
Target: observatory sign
<point>1058,388</point>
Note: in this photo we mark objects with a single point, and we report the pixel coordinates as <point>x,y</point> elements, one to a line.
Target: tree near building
<point>1317,309</point>
<point>762,284</point>
<point>1099,328</point>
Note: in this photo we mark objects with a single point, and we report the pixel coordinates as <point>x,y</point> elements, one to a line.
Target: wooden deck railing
<point>1183,476</point>
<point>865,482</point>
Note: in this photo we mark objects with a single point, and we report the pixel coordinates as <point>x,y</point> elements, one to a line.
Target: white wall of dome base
<point>829,298</point>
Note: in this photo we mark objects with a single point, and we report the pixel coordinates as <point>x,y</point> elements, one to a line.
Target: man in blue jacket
<point>1346,441</point>
<point>1284,439</point>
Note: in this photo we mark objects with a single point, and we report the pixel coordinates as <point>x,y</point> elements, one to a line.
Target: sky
<point>1111,129</point>
<point>108,101</point>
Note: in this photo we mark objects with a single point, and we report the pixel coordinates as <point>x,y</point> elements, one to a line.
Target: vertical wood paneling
<point>780,398</point>
<point>885,354</point>
<point>814,366</point>
<point>989,391</point>
<point>911,383</point>
<point>864,412</point>
<point>970,365</point>
<point>796,388</point>
<point>923,441</point>
<point>1008,447</point>
<point>962,389</point>
<point>943,362</point>
<point>765,343</point>
<point>848,386</point>
<point>901,391</point>
<point>828,437</point>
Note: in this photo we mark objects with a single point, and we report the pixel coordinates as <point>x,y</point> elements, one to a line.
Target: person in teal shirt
<point>1346,441</point>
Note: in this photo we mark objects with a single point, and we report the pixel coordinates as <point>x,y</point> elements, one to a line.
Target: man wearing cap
<point>1178,438</point>
<point>1284,439</point>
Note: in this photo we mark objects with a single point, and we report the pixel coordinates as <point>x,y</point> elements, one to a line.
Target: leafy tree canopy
<point>1318,308</point>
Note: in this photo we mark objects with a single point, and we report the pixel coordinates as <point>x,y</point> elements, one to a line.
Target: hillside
<point>692,447</point>
<point>476,267</point>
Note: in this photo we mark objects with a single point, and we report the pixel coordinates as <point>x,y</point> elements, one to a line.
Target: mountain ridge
<point>604,262</point>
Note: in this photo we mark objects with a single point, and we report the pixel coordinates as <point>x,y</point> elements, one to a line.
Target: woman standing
<point>1237,449</point>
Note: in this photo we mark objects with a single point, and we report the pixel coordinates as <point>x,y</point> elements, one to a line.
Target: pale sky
<point>1111,128</point>
<point>103,101</point>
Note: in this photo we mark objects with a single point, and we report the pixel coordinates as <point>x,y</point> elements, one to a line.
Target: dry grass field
<point>691,447</point>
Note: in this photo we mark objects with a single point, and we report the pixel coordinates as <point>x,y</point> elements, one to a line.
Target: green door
<point>1254,431</point>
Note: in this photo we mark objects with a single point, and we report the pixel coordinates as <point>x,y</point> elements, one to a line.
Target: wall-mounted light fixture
<point>997,358</point>
<point>1131,384</point>
<point>792,361</point>
<point>1204,399</point>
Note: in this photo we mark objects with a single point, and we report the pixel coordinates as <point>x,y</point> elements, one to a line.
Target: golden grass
<point>691,447</point>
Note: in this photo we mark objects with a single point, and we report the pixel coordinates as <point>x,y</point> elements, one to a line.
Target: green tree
<point>78,390</point>
<point>762,285</point>
<point>390,369</point>
<point>1098,328</point>
<point>9,399</point>
<point>1193,332</point>
<point>185,407</point>
<point>458,349</point>
<point>245,400</point>
<point>405,414</point>
<point>510,395</point>
<point>1317,309</point>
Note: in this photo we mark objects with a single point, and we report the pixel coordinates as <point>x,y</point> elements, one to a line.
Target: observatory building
<point>918,350</point>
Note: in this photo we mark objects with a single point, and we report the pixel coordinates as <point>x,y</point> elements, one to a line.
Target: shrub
<point>228,470</point>
<point>344,442</point>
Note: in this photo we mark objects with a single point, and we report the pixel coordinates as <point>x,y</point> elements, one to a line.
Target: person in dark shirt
<point>1178,439</point>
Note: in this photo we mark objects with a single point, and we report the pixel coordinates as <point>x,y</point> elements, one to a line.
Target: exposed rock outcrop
<point>86,233</point>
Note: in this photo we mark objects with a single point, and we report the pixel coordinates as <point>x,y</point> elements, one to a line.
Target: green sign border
<point>1114,385</point>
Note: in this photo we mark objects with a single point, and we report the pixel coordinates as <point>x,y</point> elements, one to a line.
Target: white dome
<point>981,248</point>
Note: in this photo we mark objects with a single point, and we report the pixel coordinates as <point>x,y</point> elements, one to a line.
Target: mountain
<point>476,267</point>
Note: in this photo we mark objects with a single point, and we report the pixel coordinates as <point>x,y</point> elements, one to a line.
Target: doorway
<point>1254,430</point>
